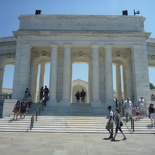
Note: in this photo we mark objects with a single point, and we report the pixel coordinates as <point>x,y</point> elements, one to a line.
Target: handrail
<point>121,108</point>
<point>35,115</point>
<point>5,96</point>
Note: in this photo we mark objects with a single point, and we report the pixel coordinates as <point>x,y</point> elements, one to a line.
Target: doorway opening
<point>80,76</point>
<point>8,79</point>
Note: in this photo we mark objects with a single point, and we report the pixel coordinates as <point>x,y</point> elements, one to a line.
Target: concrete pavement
<point>74,144</point>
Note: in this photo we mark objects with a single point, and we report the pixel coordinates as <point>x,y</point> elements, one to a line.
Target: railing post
<point>133,126</point>
<point>36,115</point>
<point>32,121</point>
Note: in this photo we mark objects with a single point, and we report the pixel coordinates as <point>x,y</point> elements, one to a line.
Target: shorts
<point>152,115</point>
<point>142,108</point>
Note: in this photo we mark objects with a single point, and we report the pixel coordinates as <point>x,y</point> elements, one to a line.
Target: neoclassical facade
<point>99,41</point>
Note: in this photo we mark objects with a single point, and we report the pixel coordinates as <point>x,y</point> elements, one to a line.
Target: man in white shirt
<point>110,122</point>
<point>142,106</point>
<point>128,108</point>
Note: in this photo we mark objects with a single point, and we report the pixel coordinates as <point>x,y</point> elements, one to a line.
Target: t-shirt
<point>111,114</point>
<point>141,102</point>
<point>128,104</point>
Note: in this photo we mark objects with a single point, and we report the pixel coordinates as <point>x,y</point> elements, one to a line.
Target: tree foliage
<point>152,86</point>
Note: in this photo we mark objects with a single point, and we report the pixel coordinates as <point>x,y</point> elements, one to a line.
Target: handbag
<point>121,123</point>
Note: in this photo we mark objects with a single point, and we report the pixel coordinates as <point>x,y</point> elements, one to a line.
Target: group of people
<point>80,96</point>
<point>115,117</point>
<point>21,108</point>
<point>140,108</point>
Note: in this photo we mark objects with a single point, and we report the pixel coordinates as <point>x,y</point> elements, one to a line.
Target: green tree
<point>152,86</point>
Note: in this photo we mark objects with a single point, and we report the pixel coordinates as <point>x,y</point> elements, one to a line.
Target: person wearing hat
<point>110,122</point>
<point>128,108</point>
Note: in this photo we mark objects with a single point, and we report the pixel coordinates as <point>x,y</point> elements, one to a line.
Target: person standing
<point>142,107</point>
<point>110,122</point>
<point>152,113</point>
<point>46,92</point>
<point>26,93</point>
<point>46,97</point>
<point>29,101</point>
<point>77,95</point>
<point>41,94</point>
<point>118,125</point>
<point>16,110</point>
<point>83,95</point>
<point>24,106</point>
<point>128,108</point>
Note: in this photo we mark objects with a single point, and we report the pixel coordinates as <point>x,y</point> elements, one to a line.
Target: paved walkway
<point>74,144</point>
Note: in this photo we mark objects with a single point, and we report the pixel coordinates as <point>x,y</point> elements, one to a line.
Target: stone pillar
<point>140,72</point>
<point>53,74</point>
<point>118,83</point>
<point>108,75</point>
<point>95,74</point>
<point>67,74</point>
<point>1,79</point>
<point>42,75</point>
<point>22,69</point>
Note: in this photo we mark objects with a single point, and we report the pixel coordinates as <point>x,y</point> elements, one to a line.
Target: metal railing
<point>35,115</point>
<point>119,105</point>
<point>5,96</point>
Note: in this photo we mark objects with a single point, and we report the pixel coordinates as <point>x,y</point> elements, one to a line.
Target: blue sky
<point>10,10</point>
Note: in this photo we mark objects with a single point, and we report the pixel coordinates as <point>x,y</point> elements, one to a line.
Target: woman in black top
<point>152,114</point>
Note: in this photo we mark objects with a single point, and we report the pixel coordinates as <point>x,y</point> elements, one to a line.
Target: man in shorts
<point>128,108</point>
<point>110,122</point>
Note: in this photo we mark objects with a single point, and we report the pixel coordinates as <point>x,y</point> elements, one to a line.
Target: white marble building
<point>62,40</point>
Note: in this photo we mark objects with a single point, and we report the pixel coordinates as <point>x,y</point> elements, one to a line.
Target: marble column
<point>22,69</point>
<point>67,74</point>
<point>42,75</point>
<point>95,73</point>
<point>140,72</point>
<point>1,79</point>
<point>53,74</point>
<point>118,83</point>
<point>108,75</point>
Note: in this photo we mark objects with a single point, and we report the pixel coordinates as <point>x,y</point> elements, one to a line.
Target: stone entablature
<point>82,23</point>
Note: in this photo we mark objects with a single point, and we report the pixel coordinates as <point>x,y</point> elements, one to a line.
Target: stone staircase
<point>7,124</point>
<point>79,118</point>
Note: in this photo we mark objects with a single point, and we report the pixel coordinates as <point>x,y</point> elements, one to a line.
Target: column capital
<point>67,45</point>
<point>54,46</point>
<point>95,46</point>
<point>108,46</point>
<point>136,46</point>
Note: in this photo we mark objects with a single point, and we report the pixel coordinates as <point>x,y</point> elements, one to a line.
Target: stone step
<point>74,119</point>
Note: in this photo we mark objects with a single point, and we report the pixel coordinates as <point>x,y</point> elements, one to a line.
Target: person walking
<point>16,110</point>
<point>128,108</point>
<point>110,122</point>
<point>24,106</point>
<point>118,123</point>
